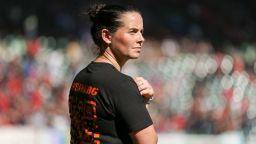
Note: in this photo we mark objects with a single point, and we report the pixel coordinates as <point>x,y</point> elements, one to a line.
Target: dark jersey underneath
<point>105,106</point>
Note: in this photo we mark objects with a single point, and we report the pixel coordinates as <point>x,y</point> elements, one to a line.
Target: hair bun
<point>94,10</point>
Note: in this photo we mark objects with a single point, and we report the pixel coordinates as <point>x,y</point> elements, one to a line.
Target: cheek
<point>124,42</point>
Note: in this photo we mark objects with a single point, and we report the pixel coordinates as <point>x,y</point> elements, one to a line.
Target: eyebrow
<point>133,28</point>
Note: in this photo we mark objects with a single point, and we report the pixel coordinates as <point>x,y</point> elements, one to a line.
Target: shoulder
<point>123,81</point>
<point>105,74</point>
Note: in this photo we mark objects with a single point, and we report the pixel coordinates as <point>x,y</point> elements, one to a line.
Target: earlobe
<point>106,36</point>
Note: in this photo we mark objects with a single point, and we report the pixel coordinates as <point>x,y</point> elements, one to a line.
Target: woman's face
<point>126,42</point>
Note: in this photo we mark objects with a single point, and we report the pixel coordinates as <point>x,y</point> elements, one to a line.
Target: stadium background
<point>199,56</point>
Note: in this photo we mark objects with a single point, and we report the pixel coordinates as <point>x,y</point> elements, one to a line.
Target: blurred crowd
<point>197,89</point>
<point>35,78</point>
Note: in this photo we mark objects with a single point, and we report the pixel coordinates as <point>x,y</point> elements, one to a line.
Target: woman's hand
<point>145,88</point>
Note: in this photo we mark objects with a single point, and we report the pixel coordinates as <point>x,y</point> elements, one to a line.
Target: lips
<point>137,48</point>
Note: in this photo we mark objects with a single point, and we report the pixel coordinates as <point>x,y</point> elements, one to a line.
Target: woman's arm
<point>147,135</point>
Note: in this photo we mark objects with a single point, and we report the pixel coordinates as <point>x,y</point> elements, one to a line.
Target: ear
<point>106,36</point>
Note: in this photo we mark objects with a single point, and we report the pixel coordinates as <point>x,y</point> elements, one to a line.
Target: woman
<point>106,106</point>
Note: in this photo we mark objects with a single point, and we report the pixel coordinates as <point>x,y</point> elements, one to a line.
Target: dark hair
<point>106,16</point>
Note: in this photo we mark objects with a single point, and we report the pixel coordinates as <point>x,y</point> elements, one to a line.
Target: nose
<point>141,39</point>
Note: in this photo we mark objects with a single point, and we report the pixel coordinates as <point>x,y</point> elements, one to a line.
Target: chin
<point>135,56</point>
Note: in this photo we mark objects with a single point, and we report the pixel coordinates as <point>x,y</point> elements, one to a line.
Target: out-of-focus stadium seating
<point>197,90</point>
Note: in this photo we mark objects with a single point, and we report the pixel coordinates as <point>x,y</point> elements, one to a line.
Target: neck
<point>108,57</point>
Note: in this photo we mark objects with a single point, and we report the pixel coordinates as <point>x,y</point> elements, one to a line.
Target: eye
<point>135,31</point>
<point>142,32</point>
<point>132,31</point>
